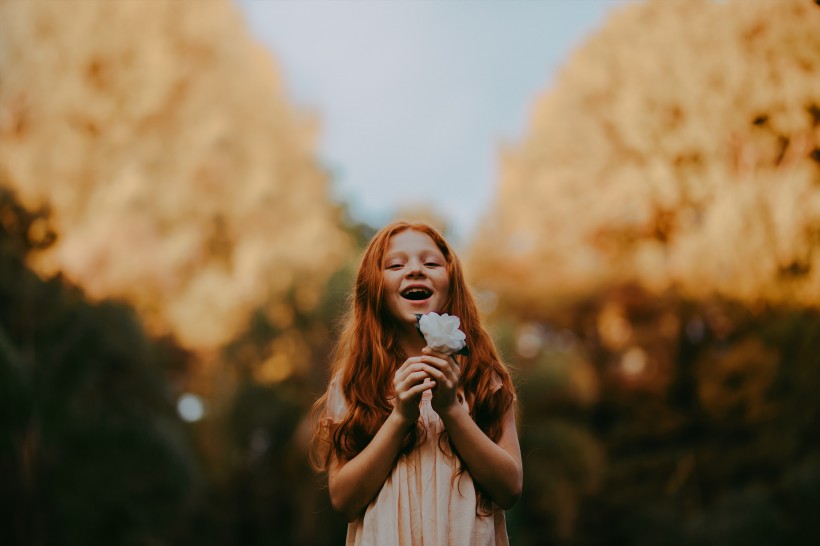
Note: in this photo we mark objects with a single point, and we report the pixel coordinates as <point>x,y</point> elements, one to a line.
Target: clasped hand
<point>431,371</point>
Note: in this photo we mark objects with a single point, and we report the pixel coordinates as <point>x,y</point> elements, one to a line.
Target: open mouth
<point>416,293</point>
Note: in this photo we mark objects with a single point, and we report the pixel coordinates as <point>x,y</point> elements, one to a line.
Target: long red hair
<point>368,353</point>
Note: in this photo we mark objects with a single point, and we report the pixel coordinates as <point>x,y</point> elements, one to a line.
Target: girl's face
<point>415,276</point>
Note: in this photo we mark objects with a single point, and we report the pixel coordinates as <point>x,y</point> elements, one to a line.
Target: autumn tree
<point>180,181</point>
<point>679,147</point>
<point>653,256</point>
<point>179,176</point>
<point>91,448</point>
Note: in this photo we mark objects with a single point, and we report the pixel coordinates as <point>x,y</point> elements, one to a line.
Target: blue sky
<point>416,97</point>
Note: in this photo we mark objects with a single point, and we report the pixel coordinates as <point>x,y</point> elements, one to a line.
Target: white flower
<point>441,333</point>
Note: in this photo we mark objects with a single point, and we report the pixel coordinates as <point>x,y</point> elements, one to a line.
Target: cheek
<point>390,286</point>
<point>445,290</point>
<point>445,281</point>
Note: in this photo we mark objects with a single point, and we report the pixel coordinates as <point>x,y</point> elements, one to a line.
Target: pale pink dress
<point>421,504</point>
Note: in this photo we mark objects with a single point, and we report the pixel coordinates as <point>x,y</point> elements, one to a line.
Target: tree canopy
<point>679,147</point>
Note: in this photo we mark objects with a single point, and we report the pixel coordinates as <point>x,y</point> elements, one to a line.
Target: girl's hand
<point>409,384</point>
<point>446,373</point>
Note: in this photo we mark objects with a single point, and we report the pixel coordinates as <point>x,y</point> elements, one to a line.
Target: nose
<point>415,269</point>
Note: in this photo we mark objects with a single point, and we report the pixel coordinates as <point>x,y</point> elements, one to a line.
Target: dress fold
<point>423,502</point>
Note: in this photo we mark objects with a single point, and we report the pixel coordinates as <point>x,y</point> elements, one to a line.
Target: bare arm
<point>497,467</point>
<point>354,483</point>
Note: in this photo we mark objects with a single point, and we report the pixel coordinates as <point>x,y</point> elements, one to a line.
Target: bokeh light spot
<point>190,407</point>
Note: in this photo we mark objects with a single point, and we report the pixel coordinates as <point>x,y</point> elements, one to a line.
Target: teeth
<point>416,294</point>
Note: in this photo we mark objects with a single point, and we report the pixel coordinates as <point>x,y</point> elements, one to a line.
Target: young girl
<point>420,446</point>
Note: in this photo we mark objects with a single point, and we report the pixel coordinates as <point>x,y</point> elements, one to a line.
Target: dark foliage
<point>91,450</point>
<point>712,441</point>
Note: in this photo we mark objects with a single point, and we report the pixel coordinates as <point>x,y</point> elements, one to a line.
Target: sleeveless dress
<point>423,502</point>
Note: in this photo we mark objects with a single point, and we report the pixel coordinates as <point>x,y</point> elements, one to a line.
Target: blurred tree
<point>179,176</point>
<point>280,365</point>
<point>655,259</point>
<point>680,146</point>
<point>696,427</point>
<point>182,182</point>
<point>91,449</point>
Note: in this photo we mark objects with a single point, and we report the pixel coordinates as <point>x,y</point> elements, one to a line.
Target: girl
<point>420,447</point>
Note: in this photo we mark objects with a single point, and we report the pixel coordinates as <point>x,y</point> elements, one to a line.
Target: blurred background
<point>179,228</point>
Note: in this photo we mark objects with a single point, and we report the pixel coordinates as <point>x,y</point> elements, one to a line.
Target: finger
<point>456,365</point>
<point>409,362</point>
<point>437,375</point>
<point>450,359</point>
<point>411,380</point>
<point>421,387</point>
<point>433,352</point>
<point>445,366</point>
<point>416,391</point>
<point>438,362</point>
<point>410,365</point>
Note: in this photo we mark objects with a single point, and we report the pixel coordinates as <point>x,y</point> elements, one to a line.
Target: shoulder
<point>501,380</point>
<point>490,379</point>
<point>336,401</point>
<point>495,382</point>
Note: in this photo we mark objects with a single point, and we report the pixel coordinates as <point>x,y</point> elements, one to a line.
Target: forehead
<point>412,242</point>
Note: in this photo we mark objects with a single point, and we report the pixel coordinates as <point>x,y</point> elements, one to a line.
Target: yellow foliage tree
<point>678,148</point>
<point>178,175</point>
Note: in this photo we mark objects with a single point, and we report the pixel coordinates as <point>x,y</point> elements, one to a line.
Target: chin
<point>409,316</point>
<point>408,312</point>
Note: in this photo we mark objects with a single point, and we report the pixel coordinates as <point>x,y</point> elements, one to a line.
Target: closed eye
<point>394,266</point>
<point>433,264</point>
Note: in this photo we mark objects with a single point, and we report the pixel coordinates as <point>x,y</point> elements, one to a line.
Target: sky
<point>417,97</point>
